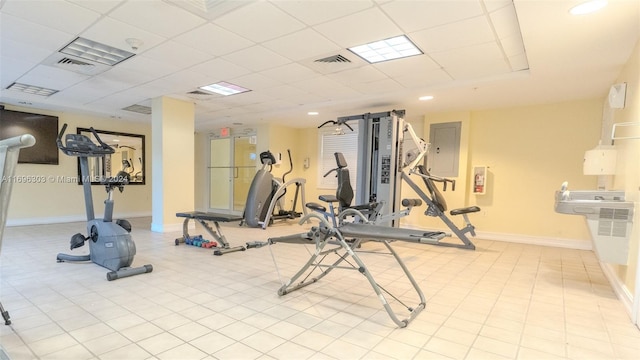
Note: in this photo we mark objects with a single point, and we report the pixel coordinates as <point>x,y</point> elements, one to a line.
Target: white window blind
<point>330,143</point>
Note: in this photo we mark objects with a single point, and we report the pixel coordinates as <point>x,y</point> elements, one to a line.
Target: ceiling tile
<point>380,86</point>
<point>301,45</point>
<point>214,40</point>
<point>50,77</point>
<point>256,58</point>
<point>157,17</point>
<point>290,72</point>
<point>423,79</point>
<point>493,5</point>
<point>417,15</point>
<point>259,22</point>
<point>316,12</point>
<point>115,33</point>
<point>361,28</point>
<point>454,35</point>
<point>487,60</point>
<point>410,65</point>
<point>364,74</point>
<point>176,54</point>
<point>59,15</point>
<point>145,67</point>
<point>255,81</point>
<point>30,34</point>
<point>220,69</point>
<point>505,21</point>
<point>101,7</point>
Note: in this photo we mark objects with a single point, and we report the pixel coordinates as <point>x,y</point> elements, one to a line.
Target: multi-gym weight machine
<point>389,152</point>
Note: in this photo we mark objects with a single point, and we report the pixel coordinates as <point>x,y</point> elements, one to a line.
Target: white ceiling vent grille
<point>334,59</point>
<point>74,64</point>
<point>141,109</point>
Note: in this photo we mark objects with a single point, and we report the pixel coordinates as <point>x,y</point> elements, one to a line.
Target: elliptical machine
<point>110,243</point>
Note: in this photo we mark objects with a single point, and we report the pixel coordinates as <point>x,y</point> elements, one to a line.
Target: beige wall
<point>628,172</point>
<point>61,201</point>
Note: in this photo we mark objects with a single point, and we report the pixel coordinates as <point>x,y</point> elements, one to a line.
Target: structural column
<point>172,146</point>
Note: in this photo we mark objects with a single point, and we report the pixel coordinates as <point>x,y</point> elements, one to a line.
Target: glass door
<point>244,161</point>
<point>231,170</point>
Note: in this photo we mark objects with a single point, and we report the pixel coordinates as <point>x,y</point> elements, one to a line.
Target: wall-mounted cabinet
<point>479,180</point>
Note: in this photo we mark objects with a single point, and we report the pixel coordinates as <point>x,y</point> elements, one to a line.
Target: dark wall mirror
<point>129,157</point>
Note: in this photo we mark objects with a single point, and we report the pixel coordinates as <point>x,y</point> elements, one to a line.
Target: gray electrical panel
<point>444,154</point>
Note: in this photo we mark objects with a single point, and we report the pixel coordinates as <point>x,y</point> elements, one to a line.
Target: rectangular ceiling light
<point>31,89</point>
<point>224,88</point>
<point>388,49</point>
<point>95,51</point>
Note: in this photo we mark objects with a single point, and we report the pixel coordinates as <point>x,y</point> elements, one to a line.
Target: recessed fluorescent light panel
<point>95,51</point>
<point>31,89</point>
<point>388,49</point>
<point>224,88</point>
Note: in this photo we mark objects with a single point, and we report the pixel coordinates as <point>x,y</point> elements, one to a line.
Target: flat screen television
<point>43,127</point>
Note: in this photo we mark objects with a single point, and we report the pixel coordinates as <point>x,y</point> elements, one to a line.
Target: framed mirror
<point>129,157</point>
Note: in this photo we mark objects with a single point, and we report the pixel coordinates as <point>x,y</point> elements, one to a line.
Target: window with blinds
<point>331,143</point>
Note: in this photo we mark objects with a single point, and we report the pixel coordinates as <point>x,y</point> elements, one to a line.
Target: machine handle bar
<point>92,150</point>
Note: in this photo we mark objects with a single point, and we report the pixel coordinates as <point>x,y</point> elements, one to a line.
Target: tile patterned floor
<point>502,301</point>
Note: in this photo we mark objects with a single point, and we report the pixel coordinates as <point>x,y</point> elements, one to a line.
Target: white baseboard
<point>520,239</point>
<point>619,288</point>
<point>537,240</point>
<point>69,219</point>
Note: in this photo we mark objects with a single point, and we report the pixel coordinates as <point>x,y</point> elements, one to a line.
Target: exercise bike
<point>110,243</point>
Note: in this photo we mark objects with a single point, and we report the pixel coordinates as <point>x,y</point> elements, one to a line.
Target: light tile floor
<point>501,301</point>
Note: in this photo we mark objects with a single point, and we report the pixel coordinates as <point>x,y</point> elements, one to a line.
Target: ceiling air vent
<point>334,59</point>
<point>139,109</point>
<point>69,61</point>
<point>199,92</point>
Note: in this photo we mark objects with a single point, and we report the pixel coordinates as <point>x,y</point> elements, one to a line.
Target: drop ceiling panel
<point>380,87</point>
<point>454,35</point>
<point>114,32</point>
<point>259,21</point>
<point>316,12</point>
<point>357,76</point>
<point>505,22</point>
<point>145,67</point>
<point>493,5</point>
<point>290,73</point>
<point>31,34</point>
<point>157,17</point>
<point>59,15</point>
<point>314,44</point>
<point>423,79</point>
<point>256,58</point>
<point>177,55</point>
<point>360,28</point>
<point>487,60</point>
<point>11,66</point>
<point>214,40</point>
<point>101,7</point>
<point>50,77</point>
<point>409,66</point>
<point>417,15</point>
<point>255,81</point>
<point>220,69</point>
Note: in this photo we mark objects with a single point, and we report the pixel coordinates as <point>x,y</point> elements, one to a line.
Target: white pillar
<point>172,146</point>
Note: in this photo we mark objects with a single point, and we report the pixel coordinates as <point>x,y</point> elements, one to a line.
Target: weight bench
<point>335,241</point>
<point>204,218</point>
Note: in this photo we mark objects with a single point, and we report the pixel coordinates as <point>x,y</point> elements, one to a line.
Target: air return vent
<point>69,61</point>
<point>139,109</point>
<point>199,92</point>
<point>334,59</point>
